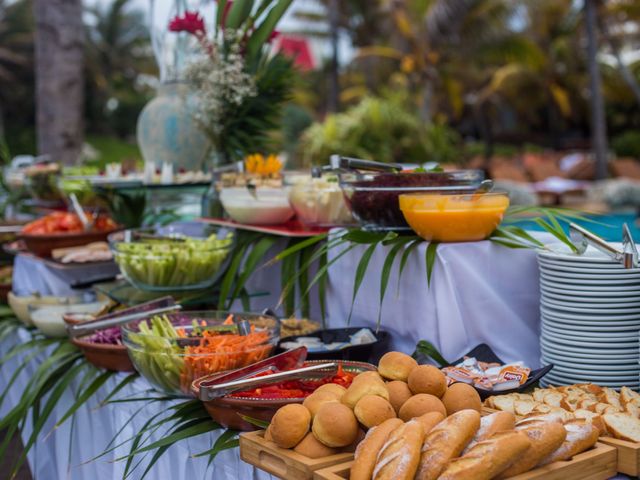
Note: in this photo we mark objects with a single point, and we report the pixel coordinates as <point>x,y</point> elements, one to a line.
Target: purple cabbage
<point>108,336</point>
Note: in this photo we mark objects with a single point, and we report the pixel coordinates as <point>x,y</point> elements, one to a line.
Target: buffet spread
<point>341,403</point>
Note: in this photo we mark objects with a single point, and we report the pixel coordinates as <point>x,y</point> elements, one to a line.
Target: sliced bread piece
<point>623,426</point>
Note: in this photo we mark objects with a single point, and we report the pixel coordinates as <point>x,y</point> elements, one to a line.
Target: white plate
<point>594,377</point>
<point>603,380</point>
<point>628,326</point>
<point>600,290</point>
<point>544,383</point>
<point>561,264</point>
<point>616,353</point>
<point>596,369</point>
<point>572,333</point>
<point>624,275</point>
<point>553,268</point>
<point>605,361</point>
<point>580,343</point>
<point>590,308</point>
<point>590,280</point>
<point>560,295</point>
<point>599,317</point>
<point>559,251</point>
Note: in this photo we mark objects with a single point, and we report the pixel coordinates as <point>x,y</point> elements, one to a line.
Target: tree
<point>59,78</point>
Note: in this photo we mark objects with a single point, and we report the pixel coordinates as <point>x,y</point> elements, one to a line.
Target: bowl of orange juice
<point>454,217</point>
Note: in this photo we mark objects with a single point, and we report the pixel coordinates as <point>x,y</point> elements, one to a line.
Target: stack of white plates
<point>590,310</point>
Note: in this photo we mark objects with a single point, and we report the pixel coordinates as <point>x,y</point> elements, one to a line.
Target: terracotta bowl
<point>109,357</point>
<point>76,318</point>
<point>227,411</point>
<point>42,245</point>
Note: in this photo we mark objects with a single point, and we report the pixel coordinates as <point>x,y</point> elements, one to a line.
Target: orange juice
<point>454,218</point>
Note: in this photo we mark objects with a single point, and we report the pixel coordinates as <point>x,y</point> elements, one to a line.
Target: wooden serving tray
<point>599,463</point>
<point>284,463</point>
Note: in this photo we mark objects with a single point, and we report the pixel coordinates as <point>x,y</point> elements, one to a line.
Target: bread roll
<point>545,438</point>
<point>335,425</point>
<point>445,442</point>
<point>289,425</point>
<point>398,394</point>
<point>580,437</point>
<point>267,434</point>
<point>461,396</point>
<point>337,390</point>
<point>427,379</point>
<point>419,405</point>
<point>312,448</point>
<point>371,375</point>
<point>372,410</point>
<point>366,386</point>
<point>367,451</point>
<point>314,401</point>
<point>396,366</point>
<point>399,457</point>
<point>491,424</point>
<point>488,458</point>
<point>430,420</point>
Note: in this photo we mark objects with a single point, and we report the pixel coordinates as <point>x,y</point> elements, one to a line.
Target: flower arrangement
<point>241,87</point>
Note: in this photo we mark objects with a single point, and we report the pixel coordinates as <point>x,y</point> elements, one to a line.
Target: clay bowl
<point>228,411</point>
<point>41,245</point>
<point>109,357</point>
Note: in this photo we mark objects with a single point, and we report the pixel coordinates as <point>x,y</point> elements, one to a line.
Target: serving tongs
<point>628,256</point>
<point>348,164</point>
<point>283,367</point>
<point>138,312</point>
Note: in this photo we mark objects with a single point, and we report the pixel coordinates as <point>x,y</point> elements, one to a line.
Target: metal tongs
<point>286,366</point>
<point>628,256</point>
<point>340,163</point>
<point>138,312</point>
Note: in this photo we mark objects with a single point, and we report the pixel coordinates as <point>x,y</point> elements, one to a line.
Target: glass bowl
<point>319,202</point>
<point>454,217</point>
<point>173,350</point>
<point>269,206</point>
<point>174,258</point>
<point>373,197</point>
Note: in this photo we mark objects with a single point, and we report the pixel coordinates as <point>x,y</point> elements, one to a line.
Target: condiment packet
<point>488,376</point>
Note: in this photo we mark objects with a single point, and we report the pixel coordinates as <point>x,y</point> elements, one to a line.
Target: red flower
<point>275,34</point>
<point>190,22</point>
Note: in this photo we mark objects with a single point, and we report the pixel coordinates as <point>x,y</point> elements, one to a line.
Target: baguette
<point>367,450</point>
<point>494,423</point>
<point>545,438</point>
<point>400,455</point>
<point>488,458</point>
<point>580,437</point>
<point>445,442</point>
<point>622,426</point>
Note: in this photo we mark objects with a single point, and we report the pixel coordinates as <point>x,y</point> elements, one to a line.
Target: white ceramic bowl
<point>20,305</point>
<point>48,319</point>
<point>270,206</point>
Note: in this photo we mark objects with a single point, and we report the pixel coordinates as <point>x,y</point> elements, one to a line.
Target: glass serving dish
<point>373,196</point>
<point>174,258</point>
<point>262,206</point>
<point>173,350</point>
<point>319,202</point>
<point>454,217</point>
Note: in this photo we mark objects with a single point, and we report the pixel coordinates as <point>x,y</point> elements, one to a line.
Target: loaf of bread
<point>545,438</point>
<point>445,442</point>
<point>580,437</point>
<point>491,424</point>
<point>488,458</point>
<point>400,455</point>
<point>368,449</point>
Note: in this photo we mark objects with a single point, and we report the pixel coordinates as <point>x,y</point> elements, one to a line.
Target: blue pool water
<point>607,226</point>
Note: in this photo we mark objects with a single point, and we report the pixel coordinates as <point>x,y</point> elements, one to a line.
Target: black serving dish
<point>370,352</point>
<point>483,353</point>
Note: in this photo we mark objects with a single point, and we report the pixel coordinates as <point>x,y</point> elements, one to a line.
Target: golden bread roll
<point>445,442</point>
<point>420,404</point>
<point>398,394</point>
<point>372,410</point>
<point>337,390</point>
<point>461,396</point>
<point>312,448</point>
<point>267,434</point>
<point>366,386</point>
<point>353,445</point>
<point>491,424</point>
<point>430,420</point>
<point>427,379</point>
<point>488,458</point>
<point>314,401</point>
<point>335,425</point>
<point>545,438</point>
<point>367,451</point>
<point>396,366</point>
<point>367,376</point>
<point>581,436</point>
<point>399,457</point>
<point>289,425</point>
